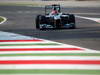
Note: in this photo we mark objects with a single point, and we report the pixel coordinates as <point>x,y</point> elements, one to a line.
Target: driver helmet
<point>54,11</point>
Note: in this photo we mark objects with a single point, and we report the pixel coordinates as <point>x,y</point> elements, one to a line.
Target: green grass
<point>1,19</point>
<point>54,71</point>
<point>53,54</point>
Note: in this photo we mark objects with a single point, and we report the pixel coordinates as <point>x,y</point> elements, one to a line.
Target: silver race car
<point>55,19</point>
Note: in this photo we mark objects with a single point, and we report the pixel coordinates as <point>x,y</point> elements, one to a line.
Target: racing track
<point>21,20</point>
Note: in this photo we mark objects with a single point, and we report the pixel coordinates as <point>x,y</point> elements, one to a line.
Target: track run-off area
<point>74,52</point>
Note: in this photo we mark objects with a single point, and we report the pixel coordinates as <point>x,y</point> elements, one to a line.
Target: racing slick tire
<point>72,21</point>
<point>38,22</point>
<point>40,19</point>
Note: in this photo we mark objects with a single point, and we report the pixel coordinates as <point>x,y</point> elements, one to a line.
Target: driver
<point>55,13</point>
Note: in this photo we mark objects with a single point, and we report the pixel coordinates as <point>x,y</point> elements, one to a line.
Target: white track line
<point>41,52</point>
<point>44,52</point>
<point>87,13</point>
<point>49,66</point>
<point>31,42</point>
<point>5,19</point>
<point>93,19</point>
<point>48,46</point>
<point>50,58</point>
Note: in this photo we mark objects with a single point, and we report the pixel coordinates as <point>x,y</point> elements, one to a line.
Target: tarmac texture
<point>21,20</point>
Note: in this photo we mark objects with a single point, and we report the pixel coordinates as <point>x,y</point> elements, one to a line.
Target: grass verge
<point>51,71</point>
<point>1,19</point>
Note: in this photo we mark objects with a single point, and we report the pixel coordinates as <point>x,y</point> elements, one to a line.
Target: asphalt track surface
<point>21,20</point>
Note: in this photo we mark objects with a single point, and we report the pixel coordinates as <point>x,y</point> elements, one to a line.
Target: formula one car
<point>55,19</point>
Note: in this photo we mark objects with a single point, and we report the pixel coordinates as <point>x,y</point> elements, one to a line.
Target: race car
<point>55,19</point>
